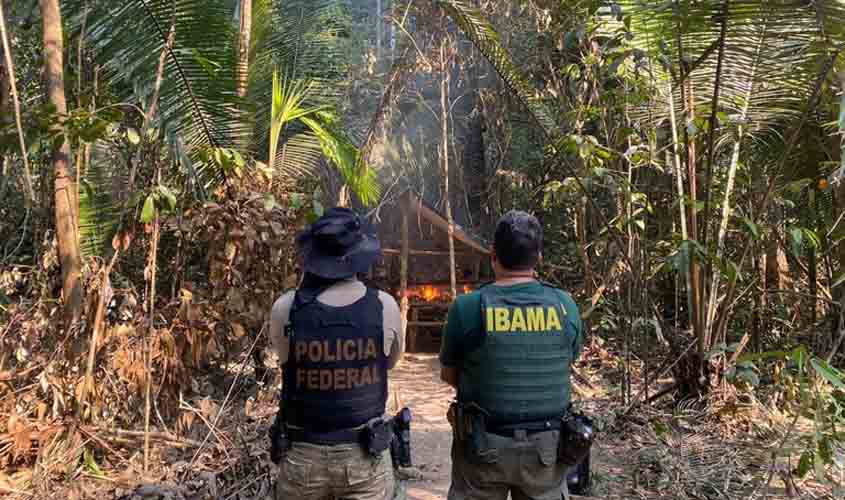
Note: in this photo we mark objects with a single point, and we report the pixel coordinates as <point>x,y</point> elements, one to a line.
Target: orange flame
<point>429,293</point>
<point>434,293</point>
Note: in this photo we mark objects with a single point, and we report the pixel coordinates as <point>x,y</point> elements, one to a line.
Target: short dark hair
<point>518,240</point>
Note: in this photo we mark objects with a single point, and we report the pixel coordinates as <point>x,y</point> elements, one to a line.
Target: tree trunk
<point>64,189</point>
<point>581,231</point>
<point>5,114</point>
<point>8,92</point>
<point>695,264</point>
<point>839,206</point>
<point>379,31</point>
<point>444,138</point>
<point>243,46</point>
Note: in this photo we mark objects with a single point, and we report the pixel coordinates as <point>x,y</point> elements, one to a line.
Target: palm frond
<point>771,49</point>
<point>198,98</point>
<point>288,108</point>
<point>101,193</point>
<point>303,39</point>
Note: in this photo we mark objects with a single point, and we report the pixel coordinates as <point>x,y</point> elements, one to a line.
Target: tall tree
<point>445,69</point>
<point>64,188</point>
<point>243,46</point>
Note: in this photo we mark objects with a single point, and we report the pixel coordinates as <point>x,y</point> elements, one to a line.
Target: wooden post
<point>403,276</point>
<point>413,328</point>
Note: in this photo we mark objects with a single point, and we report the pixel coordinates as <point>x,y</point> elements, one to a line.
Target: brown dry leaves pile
<point>226,263</point>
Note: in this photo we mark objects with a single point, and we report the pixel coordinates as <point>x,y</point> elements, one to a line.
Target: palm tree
<point>206,109</point>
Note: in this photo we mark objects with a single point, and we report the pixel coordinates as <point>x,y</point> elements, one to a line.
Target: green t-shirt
<point>464,330</point>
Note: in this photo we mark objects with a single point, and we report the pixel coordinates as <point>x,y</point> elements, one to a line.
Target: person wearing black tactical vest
<point>507,348</point>
<point>336,340</point>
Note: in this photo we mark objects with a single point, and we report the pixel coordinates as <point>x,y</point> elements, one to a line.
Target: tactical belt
<point>528,427</point>
<point>331,438</point>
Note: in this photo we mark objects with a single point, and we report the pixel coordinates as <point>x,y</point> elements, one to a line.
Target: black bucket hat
<point>340,244</point>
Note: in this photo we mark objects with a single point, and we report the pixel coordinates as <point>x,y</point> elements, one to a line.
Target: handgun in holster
<point>280,442</point>
<point>471,430</point>
<point>400,447</point>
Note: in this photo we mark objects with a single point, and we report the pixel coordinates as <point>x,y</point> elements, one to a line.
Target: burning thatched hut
<point>415,263</point>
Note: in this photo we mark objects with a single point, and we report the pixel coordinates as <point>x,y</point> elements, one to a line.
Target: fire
<point>429,293</point>
<point>435,293</point>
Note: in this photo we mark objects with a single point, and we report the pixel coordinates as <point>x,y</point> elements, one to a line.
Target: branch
<point>7,51</point>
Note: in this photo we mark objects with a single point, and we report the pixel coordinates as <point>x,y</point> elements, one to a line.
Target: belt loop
<point>520,435</point>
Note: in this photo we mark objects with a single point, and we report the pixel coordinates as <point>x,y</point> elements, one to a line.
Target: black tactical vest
<point>336,374</point>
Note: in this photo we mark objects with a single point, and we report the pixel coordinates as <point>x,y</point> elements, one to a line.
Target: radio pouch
<point>377,437</point>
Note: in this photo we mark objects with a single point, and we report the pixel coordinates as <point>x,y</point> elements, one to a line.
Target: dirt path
<point>415,383</point>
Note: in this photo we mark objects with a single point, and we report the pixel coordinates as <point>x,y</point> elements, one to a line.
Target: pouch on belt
<point>377,437</point>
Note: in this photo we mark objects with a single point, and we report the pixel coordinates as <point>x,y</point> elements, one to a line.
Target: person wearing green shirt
<point>507,349</point>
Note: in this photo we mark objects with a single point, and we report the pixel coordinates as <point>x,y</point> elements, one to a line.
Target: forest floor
<point>688,451</point>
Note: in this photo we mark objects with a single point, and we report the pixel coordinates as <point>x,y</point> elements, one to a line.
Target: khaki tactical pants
<point>347,472</point>
<point>527,469</point>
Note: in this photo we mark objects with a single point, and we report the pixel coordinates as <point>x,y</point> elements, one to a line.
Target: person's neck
<point>515,277</point>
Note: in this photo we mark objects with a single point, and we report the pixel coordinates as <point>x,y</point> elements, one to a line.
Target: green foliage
<point>211,135</point>
<point>288,106</point>
<point>819,397</point>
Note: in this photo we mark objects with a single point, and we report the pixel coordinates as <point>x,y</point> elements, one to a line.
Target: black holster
<point>400,446</point>
<point>576,438</point>
<point>280,442</point>
<point>470,426</point>
<point>377,437</point>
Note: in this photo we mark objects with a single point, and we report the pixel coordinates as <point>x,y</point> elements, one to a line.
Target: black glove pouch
<point>377,438</point>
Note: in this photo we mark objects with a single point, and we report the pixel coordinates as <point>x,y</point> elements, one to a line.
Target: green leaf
<point>839,281</point>
<point>91,464</point>
<point>132,136</point>
<point>168,196</point>
<point>805,464</point>
<point>295,201</point>
<point>149,210</point>
<point>829,373</point>
<point>660,429</point>
<point>796,240</point>
<point>753,228</point>
<point>238,159</point>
